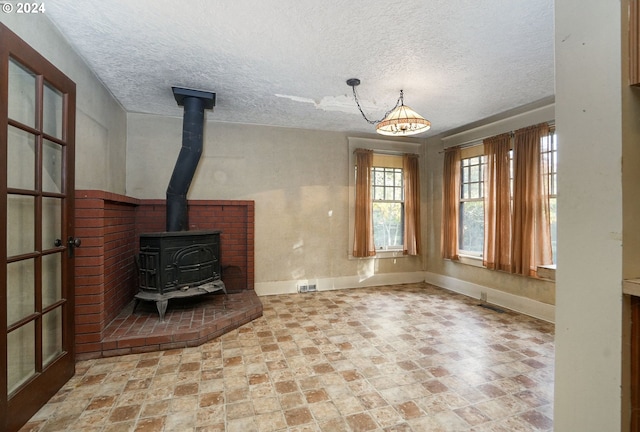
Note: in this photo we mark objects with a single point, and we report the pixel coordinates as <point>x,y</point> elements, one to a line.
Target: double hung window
<point>388,207</point>
<point>549,153</point>
<point>387,204</point>
<point>472,205</point>
<point>516,197</point>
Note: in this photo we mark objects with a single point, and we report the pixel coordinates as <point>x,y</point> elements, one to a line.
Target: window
<point>388,207</point>
<point>472,205</point>
<point>385,205</point>
<point>473,172</point>
<point>549,152</point>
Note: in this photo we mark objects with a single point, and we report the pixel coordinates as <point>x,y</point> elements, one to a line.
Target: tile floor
<point>396,358</point>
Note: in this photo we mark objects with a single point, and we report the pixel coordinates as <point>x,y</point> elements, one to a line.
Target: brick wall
<point>109,225</point>
<point>105,268</point>
<point>120,247</point>
<point>234,218</point>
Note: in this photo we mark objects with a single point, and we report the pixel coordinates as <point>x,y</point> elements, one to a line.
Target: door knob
<point>72,242</point>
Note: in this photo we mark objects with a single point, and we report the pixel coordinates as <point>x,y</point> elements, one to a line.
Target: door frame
<point>16,411</point>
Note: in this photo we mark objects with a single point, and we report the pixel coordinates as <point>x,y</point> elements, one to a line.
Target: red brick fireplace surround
<point>106,277</point>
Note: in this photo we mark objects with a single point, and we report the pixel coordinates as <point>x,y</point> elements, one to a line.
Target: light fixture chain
<point>385,114</point>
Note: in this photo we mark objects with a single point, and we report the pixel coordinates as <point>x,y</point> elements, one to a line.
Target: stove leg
<point>162,308</point>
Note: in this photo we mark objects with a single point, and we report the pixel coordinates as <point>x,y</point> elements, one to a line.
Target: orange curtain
<point>411,170</point>
<point>363,228</point>
<point>450,203</point>
<point>497,204</point>
<point>531,238</point>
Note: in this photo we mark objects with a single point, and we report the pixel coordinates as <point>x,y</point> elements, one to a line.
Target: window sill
<point>382,255</point>
<point>547,272</point>
<point>390,254</point>
<point>471,260</point>
<point>631,287</point>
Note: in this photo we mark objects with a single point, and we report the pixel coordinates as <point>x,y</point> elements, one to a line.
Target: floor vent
<point>307,288</point>
<point>492,307</point>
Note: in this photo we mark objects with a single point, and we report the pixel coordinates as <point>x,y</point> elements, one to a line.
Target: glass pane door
<point>36,295</point>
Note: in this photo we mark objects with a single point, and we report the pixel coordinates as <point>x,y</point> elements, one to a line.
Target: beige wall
<point>630,168</point>
<point>100,120</point>
<point>631,207</point>
<point>299,182</point>
<point>590,216</point>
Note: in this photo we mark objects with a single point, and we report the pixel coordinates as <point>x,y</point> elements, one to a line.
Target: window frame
<point>383,147</point>
<point>481,164</point>
<point>551,153</point>
<point>475,149</point>
<point>379,165</point>
<point>472,150</point>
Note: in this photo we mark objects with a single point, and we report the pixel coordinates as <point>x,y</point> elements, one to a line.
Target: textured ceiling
<point>285,62</point>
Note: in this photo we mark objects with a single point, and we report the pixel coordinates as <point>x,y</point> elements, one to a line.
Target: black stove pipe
<point>194,102</point>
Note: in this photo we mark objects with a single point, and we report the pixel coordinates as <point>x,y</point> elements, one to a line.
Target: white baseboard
<point>343,282</point>
<point>496,297</point>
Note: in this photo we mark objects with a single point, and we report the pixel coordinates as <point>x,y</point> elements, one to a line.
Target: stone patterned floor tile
<point>407,357</point>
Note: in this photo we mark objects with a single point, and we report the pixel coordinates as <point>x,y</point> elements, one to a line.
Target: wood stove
<point>178,262</point>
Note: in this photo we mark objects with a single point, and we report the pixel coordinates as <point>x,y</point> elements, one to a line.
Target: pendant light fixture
<point>401,120</point>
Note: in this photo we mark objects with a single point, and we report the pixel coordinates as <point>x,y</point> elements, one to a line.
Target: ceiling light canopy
<point>401,120</point>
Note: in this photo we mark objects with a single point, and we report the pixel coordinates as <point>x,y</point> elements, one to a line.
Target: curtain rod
<point>389,152</point>
<point>478,141</point>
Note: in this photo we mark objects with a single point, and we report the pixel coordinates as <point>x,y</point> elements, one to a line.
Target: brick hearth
<point>188,322</point>
<point>106,278</point>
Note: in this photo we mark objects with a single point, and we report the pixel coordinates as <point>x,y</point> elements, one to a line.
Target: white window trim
<point>472,260</point>
<point>477,150</point>
<point>384,146</point>
<point>547,272</point>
